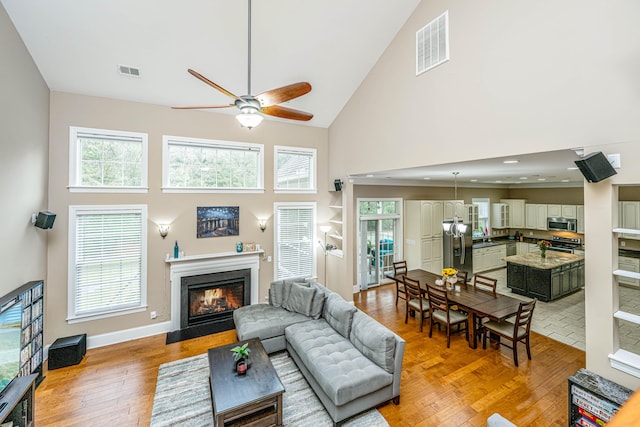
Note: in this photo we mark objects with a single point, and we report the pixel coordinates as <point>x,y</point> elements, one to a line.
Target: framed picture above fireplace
<point>218,221</point>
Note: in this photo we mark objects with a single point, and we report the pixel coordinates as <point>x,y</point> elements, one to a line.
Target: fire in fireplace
<point>212,298</point>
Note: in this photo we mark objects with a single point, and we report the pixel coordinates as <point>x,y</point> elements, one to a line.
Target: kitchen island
<point>550,278</point>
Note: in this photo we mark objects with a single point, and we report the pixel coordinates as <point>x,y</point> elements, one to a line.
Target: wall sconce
<point>263,224</point>
<point>163,229</point>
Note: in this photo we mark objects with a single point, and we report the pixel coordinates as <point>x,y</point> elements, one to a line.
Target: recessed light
<point>572,169</point>
<point>426,177</point>
<point>565,180</point>
<point>498,182</point>
<point>508,162</point>
<point>523,177</point>
<point>542,179</point>
<point>369,176</point>
<point>473,180</point>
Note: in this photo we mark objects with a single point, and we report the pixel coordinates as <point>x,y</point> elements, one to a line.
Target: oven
<point>564,244</point>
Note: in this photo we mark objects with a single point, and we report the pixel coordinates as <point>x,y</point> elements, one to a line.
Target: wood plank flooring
<point>459,386</point>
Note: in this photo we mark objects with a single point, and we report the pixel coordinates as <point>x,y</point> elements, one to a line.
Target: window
<point>107,160</point>
<point>294,228</point>
<point>196,165</point>
<point>107,261</point>
<point>484,224</point>
<point>295,170</point>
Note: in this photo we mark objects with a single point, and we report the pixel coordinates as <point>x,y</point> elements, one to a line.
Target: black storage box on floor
<point>67,351</point>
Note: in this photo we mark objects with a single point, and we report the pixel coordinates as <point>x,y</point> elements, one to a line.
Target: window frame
<point>74,212</point>
<point>291,205</point>
<point>313,180</point>
<point>168,140</point>
<point>75,168</point>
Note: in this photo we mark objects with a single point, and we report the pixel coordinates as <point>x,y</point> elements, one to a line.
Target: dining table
<point>478,303</point>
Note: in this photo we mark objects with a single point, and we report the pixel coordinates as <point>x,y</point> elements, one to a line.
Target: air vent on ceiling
<point>432,44</point>
<point>126,70</point>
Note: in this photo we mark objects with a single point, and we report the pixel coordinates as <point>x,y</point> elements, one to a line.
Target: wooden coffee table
<point>256,397</point>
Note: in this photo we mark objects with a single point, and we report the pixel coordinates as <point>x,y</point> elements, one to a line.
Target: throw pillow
<point>300,299</point>
<point>276,293</point>
<point>339,314</point>
<point>287,288</point>
<point>373,340</point>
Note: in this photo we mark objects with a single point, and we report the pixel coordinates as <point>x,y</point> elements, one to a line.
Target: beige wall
<point>509,88</point>
<point>177,209</point>
<point>24,130</point>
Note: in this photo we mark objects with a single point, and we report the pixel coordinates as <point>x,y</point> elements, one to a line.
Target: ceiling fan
<point>265,103</point>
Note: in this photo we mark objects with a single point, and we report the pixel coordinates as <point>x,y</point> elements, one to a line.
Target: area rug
<point>183,398</point>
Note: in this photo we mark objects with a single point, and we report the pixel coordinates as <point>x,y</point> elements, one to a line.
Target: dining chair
<point>440,312</point>
<point>463,276</point>
<point>400,267</point>
<point>486,283</point>
<point>415,301</point>
<point>515,332</point>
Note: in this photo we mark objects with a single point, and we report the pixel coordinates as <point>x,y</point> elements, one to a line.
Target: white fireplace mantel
<point>210,263</point>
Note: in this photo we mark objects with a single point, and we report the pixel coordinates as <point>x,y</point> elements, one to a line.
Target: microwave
<point>562,224</point>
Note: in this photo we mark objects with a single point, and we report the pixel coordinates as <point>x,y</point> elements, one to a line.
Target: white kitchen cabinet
<point>629,264</point>
<point>580,219</point>
<point>453,208</point>
<point>489,258</point>
<point>516,212</point>
<point>499,215</point>
<point>629,217</point>
<point>423,233</point>
<point>533,247</point>
<point>431,254</point>
<point>471,216</point>
<point>536,216</point>
<point>570,211</point>
<point>554,210</point>
<point>522,248</point>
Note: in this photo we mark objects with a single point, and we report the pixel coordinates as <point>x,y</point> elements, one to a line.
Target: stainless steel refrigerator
<point>457,251</point>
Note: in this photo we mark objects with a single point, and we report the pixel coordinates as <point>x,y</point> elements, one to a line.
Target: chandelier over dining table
<point>455,228</point>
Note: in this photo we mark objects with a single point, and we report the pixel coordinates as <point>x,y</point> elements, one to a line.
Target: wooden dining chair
<point>440,312</point>
<point>415,301</point>
<point>400,267</point>
<point>515,332</point>
<point>463,276</point>
<point>486,283</point>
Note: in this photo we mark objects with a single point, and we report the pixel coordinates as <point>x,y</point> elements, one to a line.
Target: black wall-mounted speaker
<point>45,220</point>
<point>338,184</point>
<point>595,167</point>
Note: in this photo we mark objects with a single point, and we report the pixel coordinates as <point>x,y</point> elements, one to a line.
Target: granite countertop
<point>553,260</point>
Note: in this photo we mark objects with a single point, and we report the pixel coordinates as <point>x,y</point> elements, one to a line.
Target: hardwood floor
<point>459,386</point>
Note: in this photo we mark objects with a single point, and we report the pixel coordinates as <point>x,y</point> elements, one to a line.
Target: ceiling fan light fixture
<point>249,118</point>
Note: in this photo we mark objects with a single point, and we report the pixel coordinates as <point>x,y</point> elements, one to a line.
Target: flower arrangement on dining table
<point>449,275</point>
<point>544,245</point>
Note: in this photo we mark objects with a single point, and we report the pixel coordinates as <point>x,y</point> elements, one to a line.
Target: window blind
<point>108,261</point>
<point>294,241</point>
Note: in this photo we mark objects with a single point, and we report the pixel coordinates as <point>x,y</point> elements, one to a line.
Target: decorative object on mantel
<point>176,250</point>
<point>543,245</point>
<point>241,358</point>
<point>248,246</point>
<point>217,221</point>
<point>239,247</point>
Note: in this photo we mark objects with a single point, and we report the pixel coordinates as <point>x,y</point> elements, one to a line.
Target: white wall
<point>24,129</point>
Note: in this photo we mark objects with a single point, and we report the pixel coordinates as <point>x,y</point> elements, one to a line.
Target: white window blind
<point>294,240</point>
<point>295,169</point>
<point>200,165</point>
<point>107,260</point>
<point>107,160</point>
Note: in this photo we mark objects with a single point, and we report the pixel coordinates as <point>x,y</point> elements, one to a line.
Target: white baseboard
<point>121,336</point>
<point>356,289</point>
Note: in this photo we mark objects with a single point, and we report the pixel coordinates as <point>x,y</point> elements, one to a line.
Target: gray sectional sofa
<point>351,361</point>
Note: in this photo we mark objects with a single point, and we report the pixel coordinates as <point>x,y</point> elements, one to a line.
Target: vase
<point>543,253</point>
<point>242,365</point>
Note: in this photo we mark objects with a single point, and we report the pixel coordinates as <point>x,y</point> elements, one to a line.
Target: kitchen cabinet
<point>629,264</point>
<point>499,215</point>
<point>580,219</point>
<point>423,233</point>
<point>516,217</point>
<point>554,210</point>
<point>629,217</point>
<point>453,208</point>
<point>471,216</point>
<point>536,216</point>
<point>522,248</point>
<point>546,284</point>
<point>489,258</point>
<point>564,211</point>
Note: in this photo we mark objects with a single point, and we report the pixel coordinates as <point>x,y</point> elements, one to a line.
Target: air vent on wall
<point>129,71</point>
<point>432,44</point>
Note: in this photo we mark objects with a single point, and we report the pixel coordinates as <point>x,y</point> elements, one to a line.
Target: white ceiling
<point>332,44</point>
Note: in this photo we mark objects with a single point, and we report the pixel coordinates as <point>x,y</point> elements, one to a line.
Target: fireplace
<point>212,298</point>
<point>200,271</point>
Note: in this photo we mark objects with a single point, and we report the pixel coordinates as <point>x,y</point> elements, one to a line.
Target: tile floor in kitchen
<point>563,319</point>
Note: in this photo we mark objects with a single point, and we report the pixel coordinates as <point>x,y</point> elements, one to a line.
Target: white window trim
<point>313,206</point>
<point>73,211</point>
<point>74,161</point>
<point>168,140</point>
<point>314,172</point>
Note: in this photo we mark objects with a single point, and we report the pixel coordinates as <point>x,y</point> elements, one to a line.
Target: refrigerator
<point>457,252</point>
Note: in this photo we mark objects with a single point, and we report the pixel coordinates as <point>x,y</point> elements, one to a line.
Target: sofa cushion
<point>318,300</point>
<point>286,291</point>
<point>342,372</point>
<point>373,340</point>
<point>300,299</point>
<point>275,293</point>
<point>339,314</point>
<point>263,321</point>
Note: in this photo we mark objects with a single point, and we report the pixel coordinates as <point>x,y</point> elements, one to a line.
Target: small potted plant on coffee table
<point>240,357</point>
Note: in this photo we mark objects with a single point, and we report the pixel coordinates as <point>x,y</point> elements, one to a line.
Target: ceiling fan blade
<point>286,113</point>
<point>210,83</point>
<point>283,94</point>
<point>196,107</point>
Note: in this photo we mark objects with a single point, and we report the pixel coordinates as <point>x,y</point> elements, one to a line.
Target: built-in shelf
<point>335,207</point>
<point>629,317</point>
<point>626,273</point>
<point>336,236</point>
<point>335,221</point>
<point>336,253</point>
<point>626,231</point>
